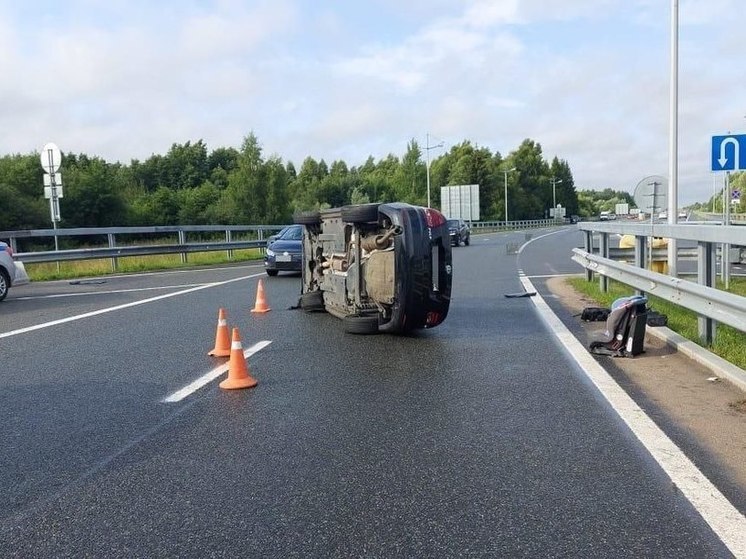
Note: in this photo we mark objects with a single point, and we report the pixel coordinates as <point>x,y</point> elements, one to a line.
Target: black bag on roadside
<point>595,314</point>
<point>654,318</point>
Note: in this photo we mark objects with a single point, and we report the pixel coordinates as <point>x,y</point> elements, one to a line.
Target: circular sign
<point>651,194</point>
<point>51,158</point>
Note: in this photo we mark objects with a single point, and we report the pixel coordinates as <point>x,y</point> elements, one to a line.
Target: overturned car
<point>378,267</point>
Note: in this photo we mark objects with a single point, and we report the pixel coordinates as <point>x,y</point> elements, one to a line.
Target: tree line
<point>190,185</point>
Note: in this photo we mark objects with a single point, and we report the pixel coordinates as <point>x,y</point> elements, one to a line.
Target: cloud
<point>588,79</point>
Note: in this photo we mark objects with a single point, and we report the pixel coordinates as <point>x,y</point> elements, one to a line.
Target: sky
<point>589,80</point>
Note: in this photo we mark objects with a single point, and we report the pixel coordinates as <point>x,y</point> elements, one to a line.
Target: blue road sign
<point>729,152</point>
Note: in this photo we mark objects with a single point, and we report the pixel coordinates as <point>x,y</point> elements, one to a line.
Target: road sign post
<point>51,159</point>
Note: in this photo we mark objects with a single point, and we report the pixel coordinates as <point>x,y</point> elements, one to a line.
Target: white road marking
<point>212,375</point>
<point>524,245</point>
<point>120,307</point>
<point>724,519</point>
<point>108,292</point>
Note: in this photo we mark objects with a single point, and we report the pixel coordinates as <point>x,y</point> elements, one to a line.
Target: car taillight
<point>433,319</point>
<point>434,218</point>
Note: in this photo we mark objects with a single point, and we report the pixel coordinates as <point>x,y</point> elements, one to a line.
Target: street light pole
<point>555,182</point>
<point>428,147</point>
<point>506,193</point>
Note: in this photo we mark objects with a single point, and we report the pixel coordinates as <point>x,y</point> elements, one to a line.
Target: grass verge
<point>730,344</point>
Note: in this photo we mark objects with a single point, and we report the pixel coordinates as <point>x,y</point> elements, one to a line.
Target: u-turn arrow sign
<point>729,152</point>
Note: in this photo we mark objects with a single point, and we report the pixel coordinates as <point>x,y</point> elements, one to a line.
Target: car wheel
<point>307,218</point>
<point>272,273</point>
<point>313,301</point>
<point>362,213</point>
<point>4,284</point>
<point>365,324</point>
<point>467,240</point>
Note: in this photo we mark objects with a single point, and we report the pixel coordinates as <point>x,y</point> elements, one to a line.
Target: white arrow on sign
<point>51,158</point>
<point>723,159</point>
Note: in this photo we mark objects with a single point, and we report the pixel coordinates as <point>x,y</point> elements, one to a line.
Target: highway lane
<point>462,440</point>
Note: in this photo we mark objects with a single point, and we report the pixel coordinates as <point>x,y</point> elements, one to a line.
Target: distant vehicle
<point>575,218</point>
<point>284,251</point>
<point>12,273</point>
<point>605,216</point>
<point>459,231</point>
<point>378,267</point>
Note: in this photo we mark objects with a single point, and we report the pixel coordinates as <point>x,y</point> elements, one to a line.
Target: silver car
<point>11,272</point>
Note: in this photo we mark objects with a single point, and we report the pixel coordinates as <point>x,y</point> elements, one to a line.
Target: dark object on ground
<point>656,319</point>
<point>595,314</point>
<point>87,282</point>
<point>524,294</point>
<point>625,328</point>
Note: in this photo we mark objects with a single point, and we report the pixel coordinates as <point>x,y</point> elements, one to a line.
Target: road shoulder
<point>675,390</point>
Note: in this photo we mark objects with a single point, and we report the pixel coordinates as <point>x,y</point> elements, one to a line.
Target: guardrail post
<point>603,249</point>
<point>706,274</point>
<point>113,244</point>
<point>589,249</point>
<point>182,241</point>
<point>228,239</point>
<point>641,244</point>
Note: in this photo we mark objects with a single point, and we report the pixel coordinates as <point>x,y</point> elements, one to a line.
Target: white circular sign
<point>51,158</point>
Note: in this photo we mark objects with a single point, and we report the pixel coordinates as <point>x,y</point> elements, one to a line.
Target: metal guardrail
<point>711,305</point>
<point>112,251</point>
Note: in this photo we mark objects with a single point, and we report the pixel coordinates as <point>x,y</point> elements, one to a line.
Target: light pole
<point>555,182</point>
<point>428,147</point>
<point>506,193</point>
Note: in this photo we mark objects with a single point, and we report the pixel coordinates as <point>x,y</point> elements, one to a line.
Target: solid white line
<point>119,307</point>
<point>725,520</point>
<point>108,292</point>
<point>212,375</point>
<point>524,245</point>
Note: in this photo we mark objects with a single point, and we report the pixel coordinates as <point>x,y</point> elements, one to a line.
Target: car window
<point>292,234</point>
<point>453,223</point>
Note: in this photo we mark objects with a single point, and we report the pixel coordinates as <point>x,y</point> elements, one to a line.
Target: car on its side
<point>284,251</point>
<point>459,231</point>
<point>12,273</point>
<point>378,267</point>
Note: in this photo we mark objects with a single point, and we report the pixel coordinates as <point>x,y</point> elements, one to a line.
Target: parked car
<point>378,267</point>
<point>12,273</point>
<point>284,251</point>
<point>575,218</point>
<point>459,231</point>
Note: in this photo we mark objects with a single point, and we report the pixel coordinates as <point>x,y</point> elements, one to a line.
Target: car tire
<point>360,324</point>
<point>362,213</point>
<point>272,273</point>
<point>467,240</point>
<point>4,284</point>
<point>307,218</point>
<point>313,301</point>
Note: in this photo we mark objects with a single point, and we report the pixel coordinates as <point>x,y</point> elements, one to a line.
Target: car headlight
<point>270,252</point>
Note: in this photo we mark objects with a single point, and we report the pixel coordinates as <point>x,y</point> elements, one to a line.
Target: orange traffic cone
<point>222,338</point>
<point>261,302</point>
<point>238,370</point>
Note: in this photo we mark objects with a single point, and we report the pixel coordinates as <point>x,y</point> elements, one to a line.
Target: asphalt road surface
<point>478,438</point>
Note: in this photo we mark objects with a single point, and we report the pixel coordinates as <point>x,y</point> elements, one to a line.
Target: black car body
<point>378,267</point>
<point>459,231</point>
<point>284,251</point>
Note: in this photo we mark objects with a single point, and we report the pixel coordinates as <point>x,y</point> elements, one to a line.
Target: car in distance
<point>284,251</point>
<point>11,272</point>
<point>459,231</point>
<point>378,267</point>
